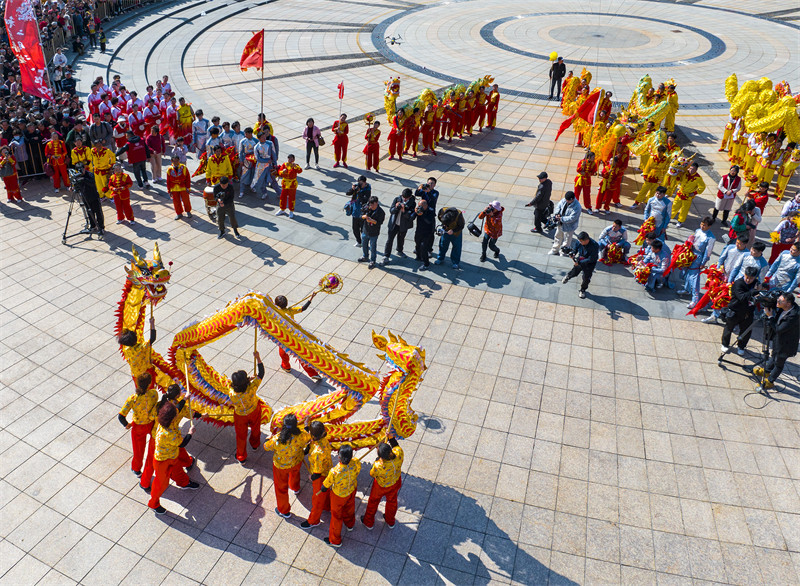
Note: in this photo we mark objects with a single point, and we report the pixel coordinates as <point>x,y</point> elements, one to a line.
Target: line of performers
<point>160,455</point>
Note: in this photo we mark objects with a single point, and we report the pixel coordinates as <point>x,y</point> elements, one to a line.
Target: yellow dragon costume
<point>209,391</point>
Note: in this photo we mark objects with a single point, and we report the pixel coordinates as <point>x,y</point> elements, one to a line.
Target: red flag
<point>23,35</point>
<point>586,111</point>
<point>253,54</point>
<point>341,90</point>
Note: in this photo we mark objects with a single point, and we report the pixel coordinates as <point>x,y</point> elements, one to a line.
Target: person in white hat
<point>121,134</point>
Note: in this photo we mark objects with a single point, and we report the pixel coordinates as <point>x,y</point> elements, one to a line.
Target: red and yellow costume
<point>184,117</point>
<point>218,166</point>
<point>372,148</point>
<point>144,416</point>
<point>179,183</point>
<point>119,185</point>
<point>340,141</point>
<point>286,462</point>
<point>605,193</point>
<point>462,113</point>
<point>102,161</point>
<point>319,462</point>
<point>56,152</point>
<point>386,483</point>
<point>439,123</point>
<point>247,414</point>
<point>82,154</point>
<point>480,109</point>
<point>787,169</point>
<point>342,481</point>
<point>583,181</point>
<point>653,174</point>
<point>691,185</point>
<point>8,166</point>
<point>412,128</point>
<point>492,105</point>
<point>766,163</point>
<point>727,135</point>
<point>397,136</point>
<point>288,173</point>
<point>427,129</point>
<point>753,145</point>
<point>166,463</point>
<point>470,115</point>
<point>669,121</point>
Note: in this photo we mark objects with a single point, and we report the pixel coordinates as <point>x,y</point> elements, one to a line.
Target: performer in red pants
<point>165,460</point>
<point>143,404</point>
<point>397,135</point>
<point>288,173</point>
<point>606,190</point>
<point>342,481</point>
<point>491,107</point>
<point>583,180</point>
<point>120,186</point>
<point>246,409</point>
<point>289,445</point>
<point>386,483</point>
<point>56,152</point>
<point>319,464</point>
<point>340,130</point>
<point>372,148</point>
<point>283,304</point>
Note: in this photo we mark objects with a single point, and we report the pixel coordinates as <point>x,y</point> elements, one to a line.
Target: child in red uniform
<point>179,182</point>
<point>342,481</point>
<point>288,173</point>
<point>120,187</point>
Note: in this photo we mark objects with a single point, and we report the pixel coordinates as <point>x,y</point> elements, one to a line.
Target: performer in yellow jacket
<point>218,165</point>
<point>787,169</point>
<point>653,174</point>
<point>102,162</point>
<point>672,99</point>
<point>81,154</point>
<point>690,186</point>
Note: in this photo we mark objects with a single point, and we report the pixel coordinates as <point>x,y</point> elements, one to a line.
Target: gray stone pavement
<point>559,441</point>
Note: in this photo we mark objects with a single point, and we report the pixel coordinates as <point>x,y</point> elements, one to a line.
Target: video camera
<point>552,222</point>
<point>768,299</point>
<point>567,251</point>
<point>77,178</point>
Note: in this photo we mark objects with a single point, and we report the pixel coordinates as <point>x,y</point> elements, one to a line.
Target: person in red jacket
<point>492,218</point>
<point>137,122</point>
<point>120,186</point>
<point>760,197</point>
<point>372,148</point>
<point>427,129</point>
<point>623,154</point>
<point>397,136</point>
<point>179,183</point>
<point>340,140</point>
<point>604,193</point>
<point>138,154</point>
<point>288,173</point>
<point>583,180</point>
<point>412,128</point>
<point>56,152</point>
<point>155,142</point>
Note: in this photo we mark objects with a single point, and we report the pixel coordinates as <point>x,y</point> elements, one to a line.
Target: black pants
<point>424,244</point>
<point>140,173</point>
<point>774,366</point>
<point>229,211</point>
<point>401,239</point>
<point>93,39</point>
<point>587,271</point>
<point>95,212</point>
<point>555,84</point>
<point>743,320</point>
<point>309,147</point>
<point>539,216</point>
<point>358,224</point>
<point>490,242</point>
<point>725,214</point>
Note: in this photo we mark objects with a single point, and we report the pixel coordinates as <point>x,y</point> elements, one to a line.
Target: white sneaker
<point>318,168</point>
<point>565,279</point>
<point>308,166</point>
<point>553,253</point>
<point>279,213</point>
<point>241,195</point>
<point>678,225</point>
<point>590,212</point>
<point>723,348</point>
<point>709,320</point>
<point>291,214</point>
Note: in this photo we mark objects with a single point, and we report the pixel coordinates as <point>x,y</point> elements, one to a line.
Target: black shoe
<point>221,235</point>
<point>307,525</point>
<point>101,234</point>
<point>497,254</point>
<point>364,524</point>
<point>147,489</point>
<point>188,214</point>
<point>401,254</point>
<point>328,541</point>
<point>372,265</point>
<point>483,258</point>
<point>190,466</point>
<point>236,233</point>
<point>191,486</point>
<point>363,259</point>
<point>537,230</point>
<point>160,510</point>
<point>137,473</point>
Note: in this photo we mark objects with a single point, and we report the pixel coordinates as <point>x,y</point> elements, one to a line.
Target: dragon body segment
<point>354,383</point>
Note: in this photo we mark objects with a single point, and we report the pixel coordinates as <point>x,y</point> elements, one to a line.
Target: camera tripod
<point>86,229</point>
<point>762,361</point>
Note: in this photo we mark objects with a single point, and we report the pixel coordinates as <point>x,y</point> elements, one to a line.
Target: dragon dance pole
<point>255,350</point>
<point>186,370</point>
<point>150,347</point>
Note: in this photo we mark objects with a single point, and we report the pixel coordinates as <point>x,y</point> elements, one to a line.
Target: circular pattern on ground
<point>615,37</point>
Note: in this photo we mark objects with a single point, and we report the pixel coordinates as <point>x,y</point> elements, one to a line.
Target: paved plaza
<point>560,440</point>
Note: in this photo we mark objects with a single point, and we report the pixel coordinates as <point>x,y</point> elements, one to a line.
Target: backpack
<point>350,207</point>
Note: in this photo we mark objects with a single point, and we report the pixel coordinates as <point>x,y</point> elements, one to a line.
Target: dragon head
<point>399,386</point>
<point>393,86</point>
<point>150,276</point>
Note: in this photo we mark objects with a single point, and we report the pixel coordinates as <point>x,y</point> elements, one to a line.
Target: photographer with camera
<point>740,310</point>
<point>359,193</point>
<point>401,218</point>
<point>372,215</point>
<point>785,328</point>
<point>450,232</point>
<point>584,254</point>
<point>83,185</point>
<point>492,228</point>
<point>567,215</point>
<point>541,202</point>
<point>428,192</point>
<point>426,228</point>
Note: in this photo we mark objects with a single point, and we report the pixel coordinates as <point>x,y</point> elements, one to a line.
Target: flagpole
<point>262,70</point>
<point>46,70</point>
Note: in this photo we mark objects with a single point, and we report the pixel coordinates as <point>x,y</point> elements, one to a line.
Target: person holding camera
<point>450,232</point>
<point>567,214</point>
<point>359,193</point>
<point>785,325</point>
<point>426,228</point>
<point>428,192</point>
<point>541,202</point>
<point>740,310</point>
<point>784,273</point>
<point>584,254</point>
<point>373,216</point>
<point>83,183</point>
<point>492,228</point>
<point>401,218</point>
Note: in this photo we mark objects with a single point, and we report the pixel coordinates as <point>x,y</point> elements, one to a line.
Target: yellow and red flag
<point>253,54</point>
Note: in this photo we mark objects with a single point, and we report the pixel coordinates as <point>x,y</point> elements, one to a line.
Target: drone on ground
<point>395,40</point>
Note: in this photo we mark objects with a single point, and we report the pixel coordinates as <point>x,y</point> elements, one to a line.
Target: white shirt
<point>59,60</point>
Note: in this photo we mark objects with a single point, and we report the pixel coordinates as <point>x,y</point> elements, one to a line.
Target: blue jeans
<point>444,244</point>
<point>655,277</point>
<point>369,246</point>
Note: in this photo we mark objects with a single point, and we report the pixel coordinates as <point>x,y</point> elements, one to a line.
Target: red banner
<point>253,54</point>
<point>586,111</point>
<point>341,90</point>
<point>23,35</point>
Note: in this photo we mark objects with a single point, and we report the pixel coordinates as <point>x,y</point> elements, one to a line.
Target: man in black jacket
<point>557,72</point>
<point>786,327</point>
<point>68,84</point>
<point>359,193</point>
<point>740,309</point>
<point>373,216</point>
<point>585,253</point>
<point>541,202</point>
<point>88,191</point>
<point>223,192</point>
<point>424,235</point>
<point>452,227</point>
<point>401,218</point>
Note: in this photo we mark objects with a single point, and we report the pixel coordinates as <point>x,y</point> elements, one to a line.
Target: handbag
<point>321,140</point>
<point>48,170</point>
<point>350,207</point>
<point>473,229</point>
